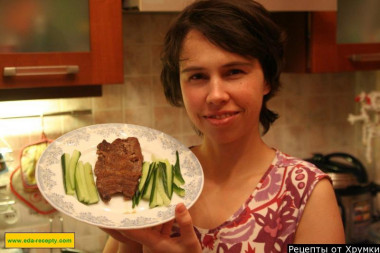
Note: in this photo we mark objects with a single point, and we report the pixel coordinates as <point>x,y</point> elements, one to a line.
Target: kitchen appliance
<point>353,190</point>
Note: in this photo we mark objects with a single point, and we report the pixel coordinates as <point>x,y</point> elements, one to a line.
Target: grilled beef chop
<point>118,167</point>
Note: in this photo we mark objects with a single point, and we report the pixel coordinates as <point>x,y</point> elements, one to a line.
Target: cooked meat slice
<point>118,167</point>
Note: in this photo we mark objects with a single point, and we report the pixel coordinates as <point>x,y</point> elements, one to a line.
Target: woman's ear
<point>267,88</point>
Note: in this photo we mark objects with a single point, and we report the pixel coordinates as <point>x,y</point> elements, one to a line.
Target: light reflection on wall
<point>22,111</point>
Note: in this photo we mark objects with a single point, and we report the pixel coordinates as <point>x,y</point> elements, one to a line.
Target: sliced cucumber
<point>80,183</point>
<point>78,178</point>
<point>144,175</point>
<point>65,161</point>
<point>85,185</point>
<point>177,171</point>
<point>178,190</point>
<point>93,196</point>
<point>168,176</point>
<point>159,179</point>
<point>136,198</point>
<point>154,198</point>
<point>72,165</point>
<point>149,182</point>
<point>160,185</point>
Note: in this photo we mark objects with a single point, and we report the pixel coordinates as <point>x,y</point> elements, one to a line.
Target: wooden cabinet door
<point>101,64</point>
<point>326,55</point>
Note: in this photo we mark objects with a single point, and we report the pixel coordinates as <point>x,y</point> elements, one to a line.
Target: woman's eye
<point>234,72</point>
<point>196,77</point>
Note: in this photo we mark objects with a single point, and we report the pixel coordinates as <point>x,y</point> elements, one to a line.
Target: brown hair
<point>243,27</point>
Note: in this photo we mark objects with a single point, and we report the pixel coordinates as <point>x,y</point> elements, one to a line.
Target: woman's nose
<point>217,93</point>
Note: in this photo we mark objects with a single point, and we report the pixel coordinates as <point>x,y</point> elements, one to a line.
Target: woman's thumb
<point>184,220</point>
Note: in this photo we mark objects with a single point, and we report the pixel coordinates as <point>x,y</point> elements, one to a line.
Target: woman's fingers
<point>167,228</point>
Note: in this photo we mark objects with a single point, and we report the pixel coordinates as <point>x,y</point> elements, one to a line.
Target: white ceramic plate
<point>117,213</point>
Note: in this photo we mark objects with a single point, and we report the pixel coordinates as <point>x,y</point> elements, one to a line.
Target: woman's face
<point>222,91</point>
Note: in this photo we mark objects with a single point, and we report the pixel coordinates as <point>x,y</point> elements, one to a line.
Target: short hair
<point>243,27</point>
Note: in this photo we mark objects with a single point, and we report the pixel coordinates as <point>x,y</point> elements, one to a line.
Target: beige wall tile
<point>160,24</point>
<point>341,107</point>
<point>111,98</point>
<point>294,141</point>
<point>70,123</point>
<point>75,104</point>
<point>158,92</point>
<point>139,116</point>
<point>137,28</point>
<point>167,119</point>
<point>156,59</point>
<point>108,116</point>
<point>137,91</point>
<point>318,109</point>
<point>295,112</point>
<point>137,59</point>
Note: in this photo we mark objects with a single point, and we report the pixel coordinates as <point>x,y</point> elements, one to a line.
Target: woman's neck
<point>246,156</point>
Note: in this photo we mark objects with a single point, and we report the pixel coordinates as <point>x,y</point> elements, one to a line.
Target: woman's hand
<point>157,239</point>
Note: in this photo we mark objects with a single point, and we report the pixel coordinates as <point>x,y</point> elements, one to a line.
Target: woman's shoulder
<point>296,174</point>
<point>285,161</point>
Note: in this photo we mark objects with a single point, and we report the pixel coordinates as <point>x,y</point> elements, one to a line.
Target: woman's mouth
<point>220,118</point>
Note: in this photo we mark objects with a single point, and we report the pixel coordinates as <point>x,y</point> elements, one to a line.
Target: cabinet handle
<point>365,57</point>
<point>41,70</point>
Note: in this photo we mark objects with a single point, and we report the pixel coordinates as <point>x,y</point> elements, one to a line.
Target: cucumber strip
<point>65,160</point>
<point>178,190</point>
<point>136,198</point>
<point>164,177</point>
<point>168,178</point>
<point>80,184</point>
<point>93,196</point>
<point>153,200</point>
<point>144,174</point>
<point>149,182</point>
<point>144,191</point>
<point>72,165</point>
<point>177,171</point>
<point>176,181</point>
<point>160,186</point>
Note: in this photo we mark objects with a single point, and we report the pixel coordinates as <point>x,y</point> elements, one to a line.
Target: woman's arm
<point>321,222</point>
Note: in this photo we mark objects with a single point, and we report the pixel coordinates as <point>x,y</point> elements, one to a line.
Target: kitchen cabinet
<point>272,5</point>
<point>97,63</point>
<point>312,45</point>
<point>327,55</point>
<point>156,6</point>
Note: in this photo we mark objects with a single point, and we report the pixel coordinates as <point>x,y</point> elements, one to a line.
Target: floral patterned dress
<point>267,221</point>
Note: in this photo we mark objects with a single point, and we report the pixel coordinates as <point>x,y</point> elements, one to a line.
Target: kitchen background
<point>313,112</point>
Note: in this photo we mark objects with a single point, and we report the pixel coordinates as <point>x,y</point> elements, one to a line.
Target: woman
<point>222,61</point>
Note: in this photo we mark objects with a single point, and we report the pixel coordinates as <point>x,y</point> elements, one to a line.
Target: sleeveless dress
<point>268,219</point>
